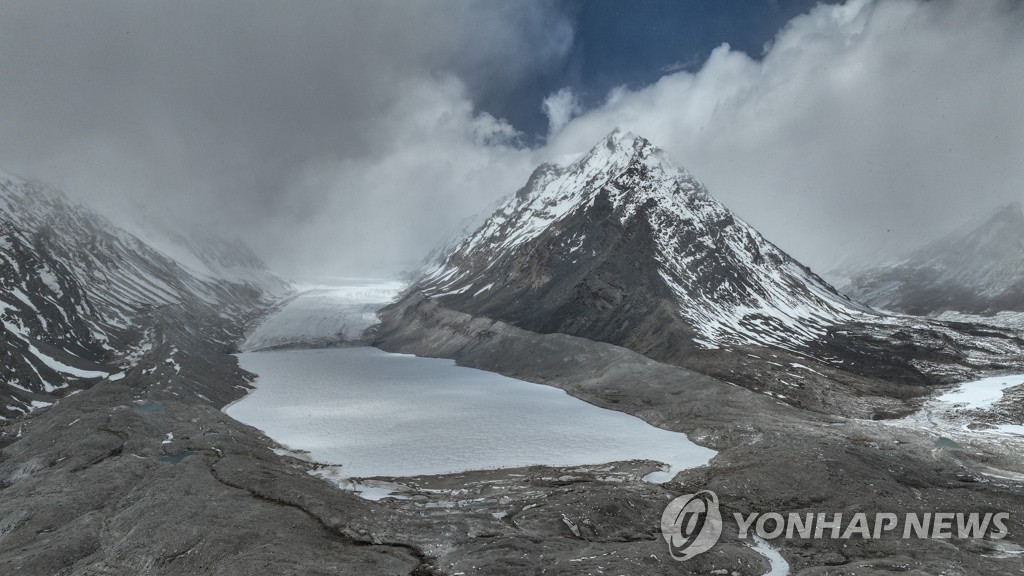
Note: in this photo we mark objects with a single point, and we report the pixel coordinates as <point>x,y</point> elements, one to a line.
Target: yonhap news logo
<point>692,524</point>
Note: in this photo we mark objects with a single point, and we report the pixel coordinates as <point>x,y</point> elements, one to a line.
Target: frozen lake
<point>381,414</point>
<point>966,412</point>
<point>981,394</point>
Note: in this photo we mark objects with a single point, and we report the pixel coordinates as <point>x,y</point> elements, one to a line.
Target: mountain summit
<point>978,268</point>
<point>622,246</point>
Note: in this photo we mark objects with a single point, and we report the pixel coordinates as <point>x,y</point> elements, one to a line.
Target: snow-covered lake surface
<point>381,414</point>
<point>970,415</point>
<point>966,413</point>
<point>324,314</point>
<point>981,394</point>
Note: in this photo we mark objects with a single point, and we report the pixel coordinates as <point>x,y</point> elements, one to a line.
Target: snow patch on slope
<point>63,368</point>
<point>981,394</point>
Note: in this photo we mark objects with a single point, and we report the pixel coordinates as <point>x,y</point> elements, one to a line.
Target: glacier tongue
<point>324,315</point>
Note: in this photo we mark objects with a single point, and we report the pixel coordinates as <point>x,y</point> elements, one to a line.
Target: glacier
<point>324,314</point>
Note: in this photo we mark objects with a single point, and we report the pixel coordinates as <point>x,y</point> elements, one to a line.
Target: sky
<point>349,137</point>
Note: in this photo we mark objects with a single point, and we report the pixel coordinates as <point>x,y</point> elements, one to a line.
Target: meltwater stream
<point>380,414</point>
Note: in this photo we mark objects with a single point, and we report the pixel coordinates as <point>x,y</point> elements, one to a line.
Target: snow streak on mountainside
<point>74,290</point>
<point>977,269</point>
<point>622,239</point>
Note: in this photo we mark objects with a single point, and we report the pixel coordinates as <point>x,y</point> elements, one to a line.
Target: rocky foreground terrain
<point>771,457</point>
<point>139,477</point>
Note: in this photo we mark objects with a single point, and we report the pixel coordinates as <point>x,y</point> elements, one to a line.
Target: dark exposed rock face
<point>977,269</point>
<point>608,292</point>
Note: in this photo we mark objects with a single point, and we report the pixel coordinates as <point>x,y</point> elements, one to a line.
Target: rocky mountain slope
<point>622,238</point>
<point>622,247</point>
<point>75,292</point>
<point>977,269</point>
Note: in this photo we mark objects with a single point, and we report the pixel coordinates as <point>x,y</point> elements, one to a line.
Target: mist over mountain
<point>380,126</point>
<point>978,269</point>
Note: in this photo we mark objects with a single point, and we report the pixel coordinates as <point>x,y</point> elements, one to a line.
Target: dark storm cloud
<point>222,110</point>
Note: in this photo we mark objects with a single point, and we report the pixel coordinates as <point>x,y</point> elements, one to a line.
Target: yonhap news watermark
<point>692,524</point>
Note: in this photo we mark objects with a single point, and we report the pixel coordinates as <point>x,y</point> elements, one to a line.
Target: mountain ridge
<point>978,268</point>
<point>623,248</point>
<point>720,273</point>
<point>76,294</point>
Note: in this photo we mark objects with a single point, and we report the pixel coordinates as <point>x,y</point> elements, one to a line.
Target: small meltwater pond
<point>380,414</point>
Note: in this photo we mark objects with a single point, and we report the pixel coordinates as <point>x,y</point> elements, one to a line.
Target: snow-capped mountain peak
<point>553,192</point>
<point>563,238</point>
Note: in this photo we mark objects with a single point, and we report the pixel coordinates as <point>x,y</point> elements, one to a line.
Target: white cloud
<point>560,107</point>
<point>437,161</point>
<point>236,114</point>
<point>866,126</point>
<point>346,135</point>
